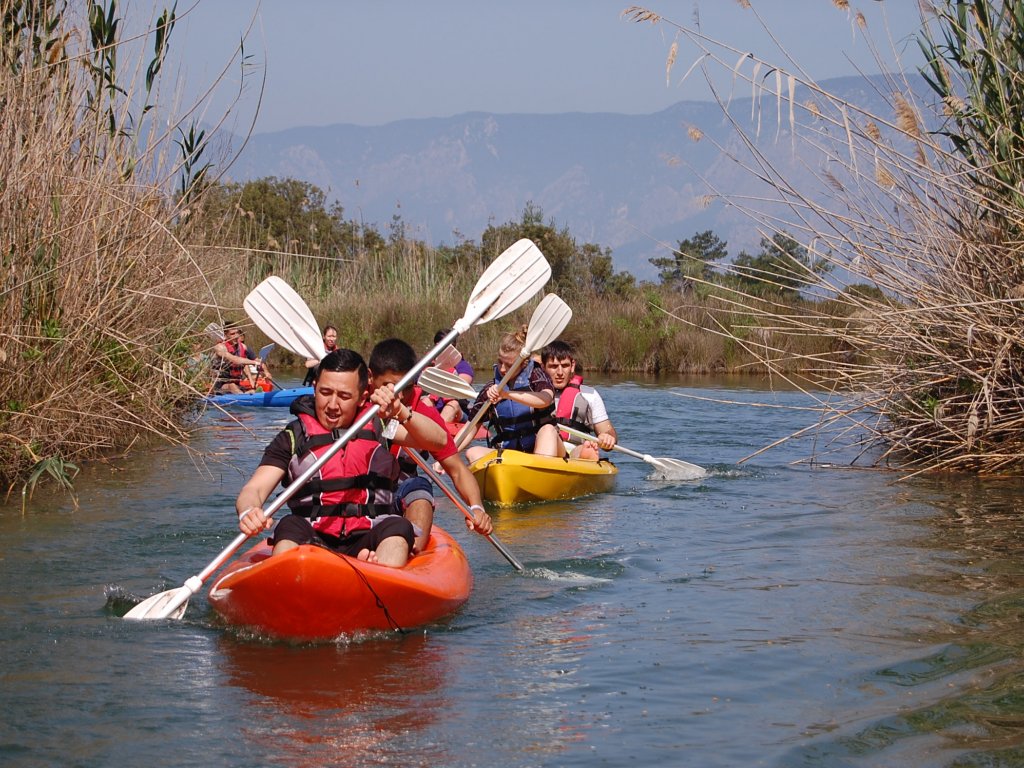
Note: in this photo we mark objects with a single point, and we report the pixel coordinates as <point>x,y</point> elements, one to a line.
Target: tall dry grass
<point>100,302</point>
<point>932,363</point>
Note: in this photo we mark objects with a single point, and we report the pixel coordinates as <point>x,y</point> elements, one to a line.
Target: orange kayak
<point>311,593</point>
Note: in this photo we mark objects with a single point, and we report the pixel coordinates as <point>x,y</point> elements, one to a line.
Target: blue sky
<point>373,62</point>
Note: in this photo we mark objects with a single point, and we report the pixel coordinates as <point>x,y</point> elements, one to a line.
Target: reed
<point>100,301</point>
<point>929,356</point>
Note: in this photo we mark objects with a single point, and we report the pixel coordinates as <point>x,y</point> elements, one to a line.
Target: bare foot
<point>367,556</point>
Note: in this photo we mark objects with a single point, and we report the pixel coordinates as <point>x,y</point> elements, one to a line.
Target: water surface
<point>775,613</point>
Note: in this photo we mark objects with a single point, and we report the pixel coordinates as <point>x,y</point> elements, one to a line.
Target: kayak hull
<point>313,594</point>
<point>513,477</point>
<point>276,398</point>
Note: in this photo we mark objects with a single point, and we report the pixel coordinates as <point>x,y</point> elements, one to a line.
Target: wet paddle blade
<point>445,384</point>
<point>669,469</point>
<point>155,607</point>
<point>512,279</point>
<point>265,352</point>
<point>675,469</point>
<point>283,316</point>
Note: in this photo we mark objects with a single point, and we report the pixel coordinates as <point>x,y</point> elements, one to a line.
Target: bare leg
<point>452,412</point>
<point>587,452</point>
<point>421,514</point>
<point>549,442</point>
<point>392,552</point>
<point>474,452</point>
<point>283,546</point>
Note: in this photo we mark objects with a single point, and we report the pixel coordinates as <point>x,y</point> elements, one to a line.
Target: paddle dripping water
<point>768,614</point>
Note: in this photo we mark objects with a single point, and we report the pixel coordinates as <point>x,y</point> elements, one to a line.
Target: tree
<point>692,260</point>
<point>782,267</point>
<point>576,270</point>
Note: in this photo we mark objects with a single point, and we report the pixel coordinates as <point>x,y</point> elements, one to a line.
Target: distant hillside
<point>620,181</point>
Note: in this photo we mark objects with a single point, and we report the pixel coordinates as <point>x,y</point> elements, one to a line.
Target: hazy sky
<point>376,61</point>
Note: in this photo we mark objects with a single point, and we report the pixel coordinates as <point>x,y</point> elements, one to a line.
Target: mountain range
<point>631,183</point>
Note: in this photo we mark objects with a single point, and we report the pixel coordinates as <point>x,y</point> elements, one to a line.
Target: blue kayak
<point>276,398</point>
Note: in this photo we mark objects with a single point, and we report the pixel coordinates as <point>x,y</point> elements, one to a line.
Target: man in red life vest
<point>390,360</point>
<point>577,405</point>
<point>231,360</point>
<point>350,504</point>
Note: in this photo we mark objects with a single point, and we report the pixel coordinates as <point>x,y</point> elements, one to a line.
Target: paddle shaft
<point>629,452</point>
<point>460,506</point>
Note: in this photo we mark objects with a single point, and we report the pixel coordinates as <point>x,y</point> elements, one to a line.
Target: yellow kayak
<point>514,477</point>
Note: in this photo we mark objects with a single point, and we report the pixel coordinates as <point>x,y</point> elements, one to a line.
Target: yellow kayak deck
<point>512,477</point>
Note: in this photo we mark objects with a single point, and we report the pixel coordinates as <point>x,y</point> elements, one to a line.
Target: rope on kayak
<point>362,576</point>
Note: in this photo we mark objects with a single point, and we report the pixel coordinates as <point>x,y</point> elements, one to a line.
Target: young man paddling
<point>350,505</point>
<point>577,405</point>
<point>390,360</point>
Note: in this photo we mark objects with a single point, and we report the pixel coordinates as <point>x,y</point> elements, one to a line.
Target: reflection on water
<point>348,704</point>
<point>965,694</point>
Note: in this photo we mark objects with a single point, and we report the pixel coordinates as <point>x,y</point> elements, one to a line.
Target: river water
<point>773,614</point>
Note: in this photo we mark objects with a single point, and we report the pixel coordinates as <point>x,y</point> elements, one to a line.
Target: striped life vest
<point>356,484</point>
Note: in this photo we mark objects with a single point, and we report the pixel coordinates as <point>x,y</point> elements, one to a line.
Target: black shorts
<point>300,530</point>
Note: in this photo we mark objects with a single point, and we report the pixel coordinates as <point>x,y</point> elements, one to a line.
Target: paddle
<point>673,468</point>
<point>263,354</point>
<point>446,384</point>
<point>460,505</point>
<point>283,316</point>
<point>448,359</point>
<point>546,323</point>
<point>516,275</point>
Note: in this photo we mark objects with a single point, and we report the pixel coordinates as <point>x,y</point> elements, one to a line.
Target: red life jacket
<point>357,483</point>
<point>236,372</point>
<point>572,406</point>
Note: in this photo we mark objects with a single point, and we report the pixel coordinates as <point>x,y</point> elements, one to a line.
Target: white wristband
<point>477,506</point>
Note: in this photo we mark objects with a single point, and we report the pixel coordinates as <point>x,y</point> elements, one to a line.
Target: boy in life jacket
<point>521,416</point>
<point>230,360</point>
<point>390,360</point>
<point>349,505</point>
<point>577,405</point>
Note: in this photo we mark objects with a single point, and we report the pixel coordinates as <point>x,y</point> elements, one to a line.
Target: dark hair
<point>327,328</point>
<point>392,356</point>
<point>343,361</point>
<point>442,333</point>
<point>556,350</point>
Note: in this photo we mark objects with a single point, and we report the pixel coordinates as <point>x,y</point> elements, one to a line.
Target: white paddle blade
<point>512,279</point>
<point>675,469</point>
<point>546,324</point>
<point>448,359</point>
<point>444,384</point>
<point>283,316</point>
<point>155,607</point>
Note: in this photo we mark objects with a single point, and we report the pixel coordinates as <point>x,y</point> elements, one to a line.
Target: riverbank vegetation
<point>99,298</point>
<point>923,206</point>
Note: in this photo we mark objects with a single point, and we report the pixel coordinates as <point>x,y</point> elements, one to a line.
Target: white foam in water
<point>577,579</point>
